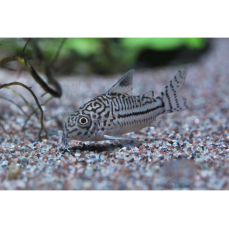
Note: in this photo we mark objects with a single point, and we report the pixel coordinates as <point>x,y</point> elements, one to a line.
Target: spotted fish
<point>110,115</point>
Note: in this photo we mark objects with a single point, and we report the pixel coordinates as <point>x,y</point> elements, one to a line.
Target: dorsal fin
<point>124,85</point>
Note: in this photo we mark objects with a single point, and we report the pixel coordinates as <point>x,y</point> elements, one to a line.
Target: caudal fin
<point>170,95</point>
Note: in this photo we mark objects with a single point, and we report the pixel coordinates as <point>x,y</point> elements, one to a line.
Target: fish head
<point>81,126</point>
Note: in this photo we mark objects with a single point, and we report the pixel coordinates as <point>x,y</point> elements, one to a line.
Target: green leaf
<point>84,46</point>
<point>161,43</point>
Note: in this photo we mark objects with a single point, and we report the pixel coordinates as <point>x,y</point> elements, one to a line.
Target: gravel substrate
<point>190,150</point>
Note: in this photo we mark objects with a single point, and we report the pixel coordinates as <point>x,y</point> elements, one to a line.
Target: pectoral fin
<point>127,142</point>
<point>117,137</point>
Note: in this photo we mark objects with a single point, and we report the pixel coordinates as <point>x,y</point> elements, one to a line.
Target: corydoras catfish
<point>116,112</point>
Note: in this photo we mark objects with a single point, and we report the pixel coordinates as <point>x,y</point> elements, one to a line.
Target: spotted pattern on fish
<point>117,112</point>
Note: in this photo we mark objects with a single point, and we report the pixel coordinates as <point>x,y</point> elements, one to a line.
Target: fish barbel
<point>110,115</point>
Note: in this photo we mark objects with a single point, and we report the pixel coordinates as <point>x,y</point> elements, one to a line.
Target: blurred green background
<point>104,55</point>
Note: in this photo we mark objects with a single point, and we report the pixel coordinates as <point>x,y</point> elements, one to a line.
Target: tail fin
<point>170,95</point>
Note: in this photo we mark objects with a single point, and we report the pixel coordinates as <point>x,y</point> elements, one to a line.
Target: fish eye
<point>83,121</point>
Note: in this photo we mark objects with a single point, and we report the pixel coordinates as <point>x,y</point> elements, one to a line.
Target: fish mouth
<point>64,142</point>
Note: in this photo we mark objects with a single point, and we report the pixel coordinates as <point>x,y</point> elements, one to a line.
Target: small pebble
<point>13,171</point>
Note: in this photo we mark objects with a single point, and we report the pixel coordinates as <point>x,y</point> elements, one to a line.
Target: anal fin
<point>156,122</point>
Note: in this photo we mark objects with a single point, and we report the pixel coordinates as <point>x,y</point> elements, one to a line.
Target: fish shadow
<point>96,147</point>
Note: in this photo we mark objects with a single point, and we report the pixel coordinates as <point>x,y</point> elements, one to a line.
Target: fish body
<point>110,115</point>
